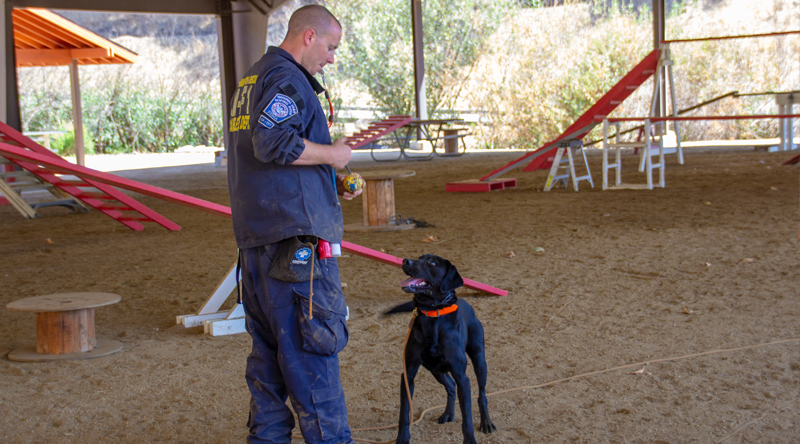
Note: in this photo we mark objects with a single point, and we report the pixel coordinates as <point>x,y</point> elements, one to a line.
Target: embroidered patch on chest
<point>280,108</point>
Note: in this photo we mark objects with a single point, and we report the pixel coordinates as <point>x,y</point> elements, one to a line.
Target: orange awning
<point>42,38</point>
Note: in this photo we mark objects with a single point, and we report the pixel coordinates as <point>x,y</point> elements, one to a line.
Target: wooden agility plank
<point>398,262</point>
<point>62,166</point>
<point>586,122</point>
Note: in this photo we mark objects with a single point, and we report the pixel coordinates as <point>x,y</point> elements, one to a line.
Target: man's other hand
<point>340,188</point>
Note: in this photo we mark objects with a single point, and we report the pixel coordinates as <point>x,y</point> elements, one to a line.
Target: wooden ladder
<point>14,183</point>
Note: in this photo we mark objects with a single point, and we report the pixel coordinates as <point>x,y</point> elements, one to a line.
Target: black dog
<point>444,333</point>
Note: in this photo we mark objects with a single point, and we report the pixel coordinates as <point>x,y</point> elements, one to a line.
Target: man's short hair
<point>314,17</point>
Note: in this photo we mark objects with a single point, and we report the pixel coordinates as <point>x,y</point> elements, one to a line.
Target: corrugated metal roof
<point>42,38</point>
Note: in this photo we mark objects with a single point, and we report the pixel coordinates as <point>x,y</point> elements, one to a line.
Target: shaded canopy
<point>42,38</point>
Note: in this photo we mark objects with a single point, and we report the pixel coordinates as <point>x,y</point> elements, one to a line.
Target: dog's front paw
<point>487,426</point>
<point>446,417</point>
<point>403,438</point>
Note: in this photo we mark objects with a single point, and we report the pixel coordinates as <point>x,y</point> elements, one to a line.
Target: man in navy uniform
<point>283,187</point>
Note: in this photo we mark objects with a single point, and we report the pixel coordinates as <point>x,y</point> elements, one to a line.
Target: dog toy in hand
<point>352,181</point>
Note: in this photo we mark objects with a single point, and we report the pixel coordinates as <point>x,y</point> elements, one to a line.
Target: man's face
<point>322,48</point>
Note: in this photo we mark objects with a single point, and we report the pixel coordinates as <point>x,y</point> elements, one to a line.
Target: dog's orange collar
<point>440,312</point>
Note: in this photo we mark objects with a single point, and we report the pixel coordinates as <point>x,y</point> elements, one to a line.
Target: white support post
<point>648,159</point>
<point>678,147</point>
<point>618,155</point>
<point>785,104</point>
<point>77,112</point>
<point>605,154</point>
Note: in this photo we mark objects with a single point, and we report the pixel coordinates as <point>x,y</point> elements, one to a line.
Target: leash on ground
<point>547,384</point>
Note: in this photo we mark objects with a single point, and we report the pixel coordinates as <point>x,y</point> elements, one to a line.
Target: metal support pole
<point>227,71</point>
<point>419,60</point>
<point>10,113</point>
<point>659,34</point>
<point>77,113</point>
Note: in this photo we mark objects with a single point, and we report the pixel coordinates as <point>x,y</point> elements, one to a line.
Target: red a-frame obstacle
<point>60,166</point>
<point>100,196</point>
<point>538,158</point>
<point>377,130</point>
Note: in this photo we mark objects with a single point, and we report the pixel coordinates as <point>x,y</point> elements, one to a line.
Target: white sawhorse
<point>669,138</point>
<point>647,152</point>
<point>218,322</point>
<point>568,147</point>
<point>214,321</point>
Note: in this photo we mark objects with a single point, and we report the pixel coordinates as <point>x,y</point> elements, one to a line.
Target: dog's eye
<point>433,263</point>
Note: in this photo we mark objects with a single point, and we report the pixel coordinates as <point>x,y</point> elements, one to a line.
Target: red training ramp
<point>377,130</point>
<point>58,166</point>
<point>588,120</point>
<point>398,262</point>
<point>64,167</point>
<point>102,197</point>
<point>793,160</point>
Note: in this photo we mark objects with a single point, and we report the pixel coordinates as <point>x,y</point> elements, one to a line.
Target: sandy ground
<point>709,264</point>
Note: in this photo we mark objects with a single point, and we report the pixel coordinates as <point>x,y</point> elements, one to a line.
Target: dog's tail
<point>402,308</point>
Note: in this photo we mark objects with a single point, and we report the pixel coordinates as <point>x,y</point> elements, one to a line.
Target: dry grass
<point>549,65</point>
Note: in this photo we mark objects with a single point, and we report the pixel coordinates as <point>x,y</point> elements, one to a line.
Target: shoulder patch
<point>264,121</point>
<point>280,108</point>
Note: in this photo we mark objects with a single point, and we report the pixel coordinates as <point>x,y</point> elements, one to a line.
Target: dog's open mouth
<point>414,285</point>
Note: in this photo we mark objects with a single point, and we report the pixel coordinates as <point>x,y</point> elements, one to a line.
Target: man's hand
<point>340,187</point>
<point>340,153</point>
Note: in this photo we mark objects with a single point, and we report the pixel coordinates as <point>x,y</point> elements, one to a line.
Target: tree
<point>377,48</point>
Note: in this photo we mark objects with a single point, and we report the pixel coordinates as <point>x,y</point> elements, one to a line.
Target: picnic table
<point>446,131</point>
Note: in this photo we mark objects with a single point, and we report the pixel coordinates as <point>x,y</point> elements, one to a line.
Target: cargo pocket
<point>326,334</point>
<point>331,412</point>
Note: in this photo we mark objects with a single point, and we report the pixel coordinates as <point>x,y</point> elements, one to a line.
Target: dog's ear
<point>402,308</point>
<point>451,280</point>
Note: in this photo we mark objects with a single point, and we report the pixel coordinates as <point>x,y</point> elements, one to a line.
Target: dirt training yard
<point>709,263</point>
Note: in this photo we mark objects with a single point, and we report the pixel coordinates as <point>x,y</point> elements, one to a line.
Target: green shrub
<point>64,144</point>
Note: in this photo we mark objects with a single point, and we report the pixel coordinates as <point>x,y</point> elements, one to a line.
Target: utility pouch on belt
<point>294,258</point>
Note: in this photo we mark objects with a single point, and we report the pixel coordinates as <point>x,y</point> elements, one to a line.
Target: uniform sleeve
<point>278,122</point>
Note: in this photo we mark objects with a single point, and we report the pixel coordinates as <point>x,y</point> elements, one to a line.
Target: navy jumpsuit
<point>274,108</point>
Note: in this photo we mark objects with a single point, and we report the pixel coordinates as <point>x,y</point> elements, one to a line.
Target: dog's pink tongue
<point>411,281</point>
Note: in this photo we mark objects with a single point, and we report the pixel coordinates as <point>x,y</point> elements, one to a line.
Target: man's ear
<point>309,36</point>
<point>451,280</point>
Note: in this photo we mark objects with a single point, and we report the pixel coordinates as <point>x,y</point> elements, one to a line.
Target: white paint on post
<point>77,112</point>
